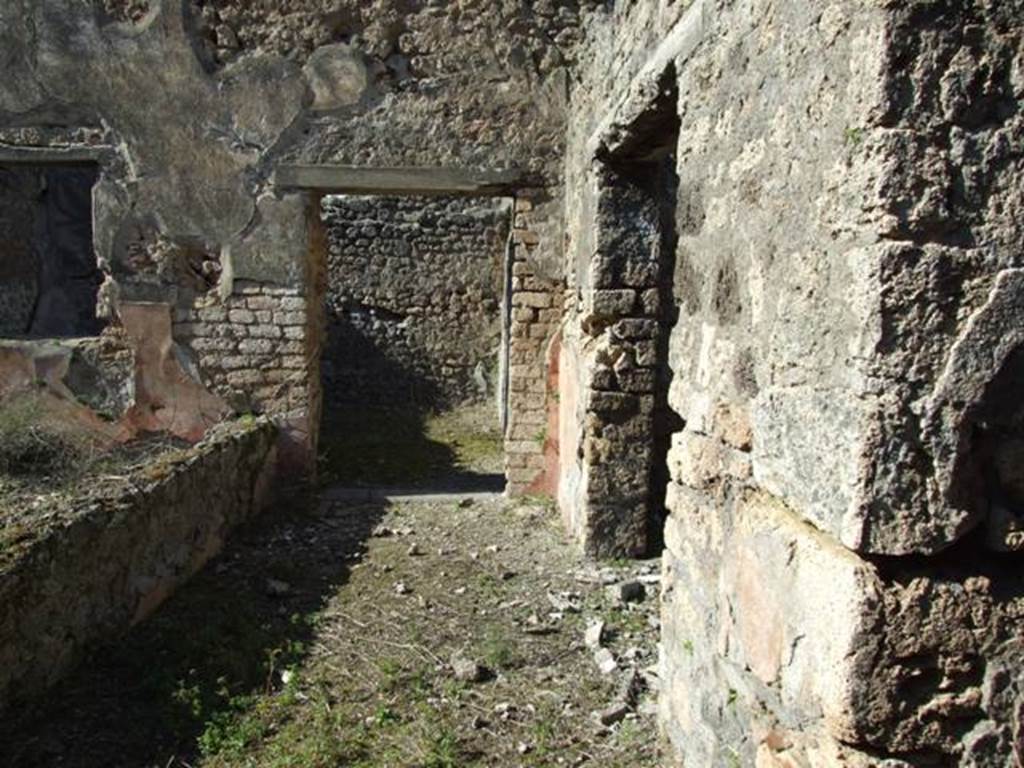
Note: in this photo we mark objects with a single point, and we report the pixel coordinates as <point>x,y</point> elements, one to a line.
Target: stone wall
<point>185,203</point>
<point>116,559</point>
<point>612,494</point>
<point>414,296</point>
<point>845,347</point>
<point>382,66</point>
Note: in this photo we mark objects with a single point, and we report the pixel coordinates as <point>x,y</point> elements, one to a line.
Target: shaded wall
<point>19,272</point>
<point>49,278</point>
<point>415,288</point>
<point>186,208</point>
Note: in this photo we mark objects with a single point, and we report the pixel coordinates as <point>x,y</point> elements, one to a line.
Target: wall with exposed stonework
<point>117,558</point>
<point>415,289</point>
<point>829,323</point>
<point>186,207</point>
<point>840,572</point>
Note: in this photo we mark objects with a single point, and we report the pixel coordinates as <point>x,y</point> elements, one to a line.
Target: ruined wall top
<point>200,100</point>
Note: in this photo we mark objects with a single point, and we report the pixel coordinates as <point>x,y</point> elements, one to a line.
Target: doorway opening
<point>49,277</point>
<point>630,312</point>
<point>415,327</point>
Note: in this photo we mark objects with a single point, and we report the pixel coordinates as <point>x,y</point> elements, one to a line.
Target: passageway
<point>412,352</point>
<point>342,634</point>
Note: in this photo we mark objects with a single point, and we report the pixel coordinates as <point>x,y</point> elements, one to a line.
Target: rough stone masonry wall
<point>849,251</point>
<point>185,203</point>
<point>614,349</point>
<point>503,66</point>
<point>118,558</point>
<point>617,266</point>
<point>414,296</point>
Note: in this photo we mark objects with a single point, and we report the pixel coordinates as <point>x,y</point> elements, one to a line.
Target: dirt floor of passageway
<point>326,633</point>
<point>456,450</point>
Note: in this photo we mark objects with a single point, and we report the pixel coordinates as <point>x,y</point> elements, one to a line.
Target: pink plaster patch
<point>546,483</point>
<point>167,398</point>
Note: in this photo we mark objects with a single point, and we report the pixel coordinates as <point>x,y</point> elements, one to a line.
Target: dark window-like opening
<point>49,278</point>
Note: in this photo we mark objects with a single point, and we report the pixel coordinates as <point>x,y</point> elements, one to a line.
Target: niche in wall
<point>628,311</point>
<point>49,278</point>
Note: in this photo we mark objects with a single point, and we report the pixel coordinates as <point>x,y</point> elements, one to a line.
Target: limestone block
<point>531,299</point>
<point>769,624</point>
<point>638,381</point>
<point>612,303</point>
<point>631,329</point>
<point>241,316</point>
<point>699,461</point>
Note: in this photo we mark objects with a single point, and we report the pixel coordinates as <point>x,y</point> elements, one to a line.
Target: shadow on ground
<point>458,451</point>
<point>170,687</point>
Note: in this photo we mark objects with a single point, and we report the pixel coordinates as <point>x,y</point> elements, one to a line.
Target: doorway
<point>411,363</point>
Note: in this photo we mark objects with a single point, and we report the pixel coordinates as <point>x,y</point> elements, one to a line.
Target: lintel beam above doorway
<point>355,180</point>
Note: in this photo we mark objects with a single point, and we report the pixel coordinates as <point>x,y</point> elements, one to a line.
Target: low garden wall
<point>116,558</point>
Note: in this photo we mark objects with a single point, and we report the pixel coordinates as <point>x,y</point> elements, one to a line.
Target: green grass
<point>34,442</point>
<point>378,447</point>
<point>498,651</point>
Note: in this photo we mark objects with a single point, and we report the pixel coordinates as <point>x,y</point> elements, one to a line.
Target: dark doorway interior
<point>414,293</point>
<point>49,278</point>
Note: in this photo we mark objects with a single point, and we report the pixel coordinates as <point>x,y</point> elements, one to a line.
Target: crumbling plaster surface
<point>904,247</point>
<point>510,71</point>
<point>171,98</point>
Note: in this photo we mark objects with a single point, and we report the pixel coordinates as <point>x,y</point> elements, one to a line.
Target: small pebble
<point>594,635</point>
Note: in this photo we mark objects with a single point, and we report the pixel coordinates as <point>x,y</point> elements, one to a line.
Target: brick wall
<point>536,311</point>
<point>251,348</point>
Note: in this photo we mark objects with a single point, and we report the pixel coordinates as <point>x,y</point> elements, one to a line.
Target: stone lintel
<point>352,180</point>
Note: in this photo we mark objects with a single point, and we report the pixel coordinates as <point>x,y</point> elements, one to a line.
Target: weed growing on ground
<point>32,444</point>
<point>340,671</point>
<point>497,650</point>
<point>443,750</point>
